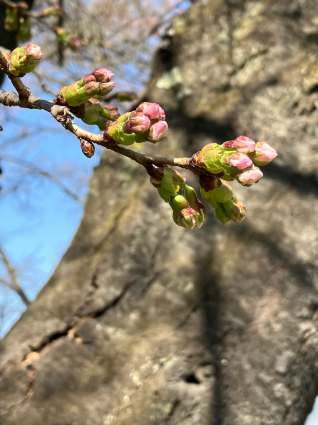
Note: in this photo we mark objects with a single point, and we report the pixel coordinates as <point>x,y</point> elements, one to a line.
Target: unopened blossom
<point>158,131</point>
<point>88,148</point>
<point>248,177</point>
<point>241,144</point>
<point>263,154</point>
<point>24,59</point>
<point>152,110</point>
<point>183,214</point>
<point>138,123</point>
<point>240,161</point>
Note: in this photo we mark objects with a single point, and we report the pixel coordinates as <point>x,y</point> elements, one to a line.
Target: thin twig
<point>64,117</point>
<point>12,5</point>
<point>37,170</point>
<point>14,283</point>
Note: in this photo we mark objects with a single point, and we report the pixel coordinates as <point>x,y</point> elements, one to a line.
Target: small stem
<point>64,117</point>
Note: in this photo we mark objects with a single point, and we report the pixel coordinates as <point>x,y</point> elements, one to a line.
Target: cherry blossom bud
<point>232,210</point>
<point>138,123</point>
<point>88,148</point>
<point>248,177</point>
<point>33,51</point>
<point>183,214</point>
<point>239,161</point>
<point>241,144</point>
<point>263,154</point>
<point>68,39</point>
<point>24,59</point>
<point>103,75</point>
<point>81,91</point>
<point>88,78</point>
<point>158,131</point>
<point>110,112</point>
<point>152,110</point>
<point>105,89</point>
<point>11,19</point>
<point>75,44</point>
<point>51,11</point>
<point>24,33</point>
<point>194,203</point>
<point>166,180</point>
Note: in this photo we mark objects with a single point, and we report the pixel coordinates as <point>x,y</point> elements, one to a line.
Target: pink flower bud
<point>250,176</point>
<point>241,144</point>
<point>158,131</point>
<point>75,44</point>
<point>240,161</point>
<point>106,88</point>
<point>244,144</point>
<point>90,88</point>
<point>152,110</point>
<point>33,51</point>
<point>103,75</point>
<point>264,153</point>
<point>110,112</point>
<point>138,123</point>
<point>88,78</point>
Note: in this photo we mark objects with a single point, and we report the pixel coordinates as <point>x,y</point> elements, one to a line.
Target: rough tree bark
<point>144,322</point>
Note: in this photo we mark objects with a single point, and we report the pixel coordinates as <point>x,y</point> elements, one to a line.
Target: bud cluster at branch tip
<point>24,59</point>
<point>146,123</point>
<point>12,18</point>
<point>234,159</point>
<point>187,210</point>
<point>97,84</point>
<point>220,196</point>
<point>11,22</point>
<point>68,39</point>
<point>24,33</point>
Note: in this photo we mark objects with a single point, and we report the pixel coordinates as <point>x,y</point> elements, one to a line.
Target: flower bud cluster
<point>68,39</point>
<point>187,210</point>
<point>94,112</point>
<point>24,59</point>
<point>11,20</point>
<point>24,33</point>
<point>146,123</point>
<point>95,85</point>
<point>234,159</point>
<point>220,196</point>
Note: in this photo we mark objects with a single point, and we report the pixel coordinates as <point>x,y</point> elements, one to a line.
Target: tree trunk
<point>145,322</point>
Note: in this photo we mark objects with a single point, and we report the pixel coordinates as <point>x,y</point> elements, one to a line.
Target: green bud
<point>24,33</point>
<point>183,214</point>
<point>11,19</point>
<point>166,180</point>
<point>194,203</point>
<point>24,59</point>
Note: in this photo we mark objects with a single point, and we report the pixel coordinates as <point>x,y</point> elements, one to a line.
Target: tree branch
<point>64,117</point>
<point>14,284</point>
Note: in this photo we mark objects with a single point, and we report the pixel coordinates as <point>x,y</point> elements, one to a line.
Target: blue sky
<point>38,220</point>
